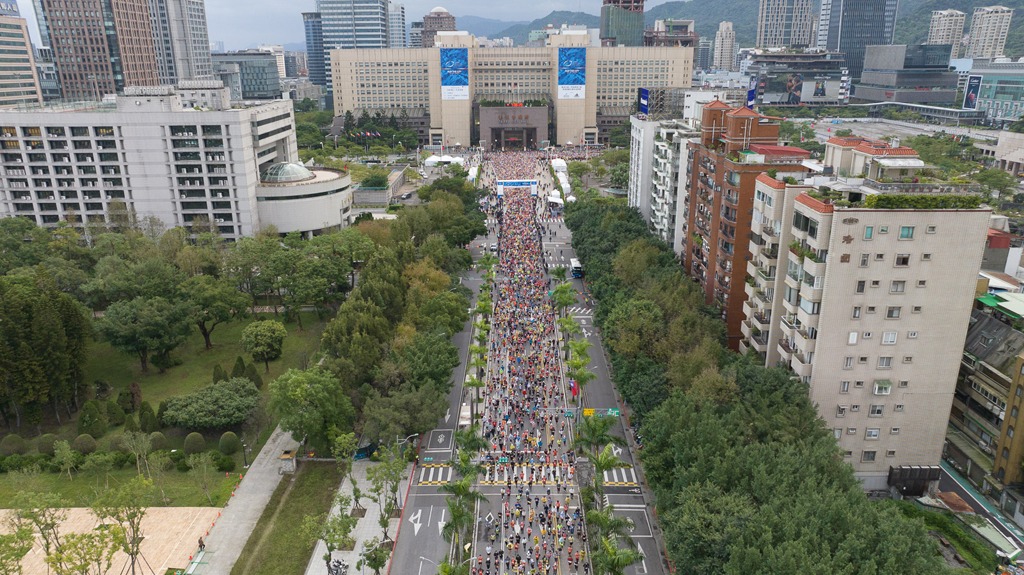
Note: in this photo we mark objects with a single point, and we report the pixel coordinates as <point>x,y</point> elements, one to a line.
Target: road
<point>420,544</point>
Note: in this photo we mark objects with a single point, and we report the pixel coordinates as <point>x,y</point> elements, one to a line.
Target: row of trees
<point>746,478</point>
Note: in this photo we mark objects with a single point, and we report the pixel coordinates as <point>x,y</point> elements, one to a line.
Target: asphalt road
<point>420,545</point>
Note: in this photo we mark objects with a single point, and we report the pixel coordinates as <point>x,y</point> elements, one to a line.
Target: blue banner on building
<point>572,73</point>
<point>645,98</point>
<point>454,73</point>
<point>971,92</point>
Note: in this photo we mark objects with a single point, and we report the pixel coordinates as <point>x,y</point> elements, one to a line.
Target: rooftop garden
<point>921,202</point>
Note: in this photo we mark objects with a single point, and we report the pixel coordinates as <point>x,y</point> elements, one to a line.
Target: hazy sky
<point>241,23</point>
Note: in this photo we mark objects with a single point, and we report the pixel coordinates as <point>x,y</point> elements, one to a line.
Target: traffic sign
<point>588,412</point>
<point>502,460</point>
<point>613,413</point>
<point>568,414</point>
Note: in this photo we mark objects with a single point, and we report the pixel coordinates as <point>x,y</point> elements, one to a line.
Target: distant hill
<point>479,26</point>
<point>707,14</point>
<point>912,27</point>
<point>520,33</point>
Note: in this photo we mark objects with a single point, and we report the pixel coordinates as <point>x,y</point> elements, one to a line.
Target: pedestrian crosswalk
<point>502,474</point>
<point>434,474</point>
<point>579,310</point>
<point>620,476</point>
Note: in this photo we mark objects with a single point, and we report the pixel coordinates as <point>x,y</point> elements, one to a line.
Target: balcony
<point>749,307</point>
<point>800,364</point>
<point>791,322</point>
<point>761,321</point>
<point>808,291</point>
<point>752,266</point>
<point>764,275</point>
<point>731,199</point>
<point>749,290</point>
<point>759,342</point>
<point>770,254</point>
<point>804,342</point>
<point>785,350</point>
<point>763,297</point>
<point>814,268</point>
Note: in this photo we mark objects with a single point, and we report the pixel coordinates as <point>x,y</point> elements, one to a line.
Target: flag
<point>573,387</point>
<point>377,134</point>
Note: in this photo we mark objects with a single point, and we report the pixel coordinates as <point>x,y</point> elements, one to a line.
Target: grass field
<point>275,546</point>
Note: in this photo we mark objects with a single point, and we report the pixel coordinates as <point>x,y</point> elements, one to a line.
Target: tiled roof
<point>770,181</point>
<point>717,104</point>
<point>884,150</point>
<point>744,112</point>
<point>770,150</point>
<point>816,205</point>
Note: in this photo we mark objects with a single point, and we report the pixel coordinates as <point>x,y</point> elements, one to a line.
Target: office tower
<point>438,20</point>
<point>278,52</point>
<point>735,147</point>
<point>785,24</point>
<point>705,53</point>
<point>180,40</point>
<point>849,26</point>
<point>19,80</point>
<point>124,55</point>
<point>315,48</point>
<point>947,27</point>
<point>416,35</point>
<point>867,298</point>
<point>44,30</point>
<point>257,72</point>
<point>396,26</point>
<point>348,24</point>
<point>622,22</point>
<point>989,27</point>
<point>725,47</point>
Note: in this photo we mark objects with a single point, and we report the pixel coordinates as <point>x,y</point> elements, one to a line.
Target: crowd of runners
<point>539,528</point>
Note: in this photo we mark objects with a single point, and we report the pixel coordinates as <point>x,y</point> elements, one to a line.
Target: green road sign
<point>613,412</point>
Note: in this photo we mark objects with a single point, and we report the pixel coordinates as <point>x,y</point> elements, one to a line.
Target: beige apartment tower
<point>725,47</point>
<point>19,81</point>
<point>947,27</point>
<point>989,27</point>
<point>785,24</point>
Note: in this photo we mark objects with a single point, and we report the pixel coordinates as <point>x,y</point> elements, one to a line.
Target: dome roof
<point>439,9</point>
<point>285,172</point>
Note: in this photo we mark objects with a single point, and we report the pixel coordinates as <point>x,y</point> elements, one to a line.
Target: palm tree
<point>463,492</point>
<point>592,433</point>
<point>469,440</point>
<point>569,328</point>
<point>582,376</point>
<point>480,352</point>
<point>449,568</point>
<point>559,274</point>
<point>487,261</point>
<point>473,383</point>
<point>607,524</point>
<point>563,296</point>
<point>483,307</point>
<point>610,559</point>
<point>579,349</point>
<point>464,466</point>
<point>460,520</point>
<point>604,461</point>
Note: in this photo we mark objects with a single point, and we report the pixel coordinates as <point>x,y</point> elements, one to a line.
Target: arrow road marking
<point>635,490</point>
<point>440,438</point>
<point>447,415</point>
<point>440,523</point>
<point>616,450</point>
<point>415,520</point>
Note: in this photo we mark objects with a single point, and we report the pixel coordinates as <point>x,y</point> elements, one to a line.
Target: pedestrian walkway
<point>226,539</point>
<point>620,476</point>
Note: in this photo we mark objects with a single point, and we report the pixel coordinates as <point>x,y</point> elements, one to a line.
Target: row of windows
<point>868,456</point>
<point>888,337</point>
<point>874,410</point>
<point>884,362</point>
<point>881,386</point>
<point>869,433</point>
<point>906,232</point>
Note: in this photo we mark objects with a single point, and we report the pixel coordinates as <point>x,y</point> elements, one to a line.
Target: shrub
<point>159,441</point>
<point>84,444</point>
<point>219,374</point>
<point>135,391</point>
<point>160,411</point>
<point>115,415</point>
<point>194,443</point>
<point>90,421</point>
<point>130,424</point>
<point>217,406</point>
<point>45,444</point>
<point>239,369</point>
<point>13,462</point>
<point>124,399</point>
<point>165,362</point>
<point>117,443</point>
<point>177,455</point>
<point>147,418</point>
<point>229,443</point>
<point>182,465</point>
<point>122,459</point>
<point>13,444</point>
<point>253,375</point>
<point>225,464</point>
<point>100,388</point>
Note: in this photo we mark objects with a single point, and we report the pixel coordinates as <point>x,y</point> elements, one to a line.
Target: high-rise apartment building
<point>396,26</point>
<point>438,20</point>
<point>947,27</point>
<point>705,53</point>
<point>725,47</point>
<point>19,79</point>
<point>120,51</point>
<point>989,27</point>
<point>736,145</point>
<point>181,41</point>
<point>864,290</point>
<point>416,34</point>
<point>622,23</point>
<point>786,23</point>
<point>315,53</point>
<point>850,26</point>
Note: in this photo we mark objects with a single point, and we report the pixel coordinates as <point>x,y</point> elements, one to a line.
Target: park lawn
<point>275,546</point>
<point>119,370</point>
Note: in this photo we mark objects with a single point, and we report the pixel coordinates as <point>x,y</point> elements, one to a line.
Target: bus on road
<point>575,268</point>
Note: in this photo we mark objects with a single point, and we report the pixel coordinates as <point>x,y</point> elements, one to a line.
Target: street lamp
<point>245,462</point>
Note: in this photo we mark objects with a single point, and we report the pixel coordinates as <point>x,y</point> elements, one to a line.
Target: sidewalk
<point>239,518</point>
<point>367,528</point>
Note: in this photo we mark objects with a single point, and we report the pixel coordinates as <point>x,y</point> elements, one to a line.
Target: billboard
<point>454,73</point>
<point>752,92</point>
<point>645,98</point>
<point>572,73</point>
<point>971,92</point>
<point>795,87</point>
<point>9,9</point>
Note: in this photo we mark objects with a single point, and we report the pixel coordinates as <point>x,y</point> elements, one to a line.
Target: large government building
<point>458,93</point>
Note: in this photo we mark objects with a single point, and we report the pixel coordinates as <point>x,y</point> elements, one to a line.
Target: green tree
<point>264,340</point>
<point>89,553</point>
<point>996,179</point>
<point>140,326</point>
<point>610,559</point>
<point>375,555</point>
<point>311,404</point>
<point>14,547</point>
<point>201,468</point>
<point>334,529</point>
<point>214,301</point>
<point>64,457</point>
<point>604,523</point>
<point>460,520</point>
<point>593,434</point>
<point>126,507</point>
<point>603,461</point>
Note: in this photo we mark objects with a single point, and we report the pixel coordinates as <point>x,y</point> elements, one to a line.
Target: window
<point>868,456</point>
<point>890,453</point>
<point>898,407</point>
<point>926,257</point>
<point>871,309</point>
<point>1019,392</point>
<point>1009,432</point>
<point>879,257</point>
<point>856,312</point>
<point>860,286</point>
<point>841,411</point>
<point>892,312</point>
<point>897,286</point>
<point>884,362</point>
<point>855,407</point>
<point>894,431</point>
<point>1006,453</point>
<point>847,454</point>
<point>882,387</point>
<point>876,410</point>
<point>908,359</point>
<point>866,335</point>
<point>844,387</point>
<point>853,338</point>
<point>906,232</point>
<point>864,260</point>
<point>917,309</point>
<point>869,232</point>
<point>921,283</point>
<point>888,337</point>
<point>849,363</point>
<point>862,359</point>
<point>851,431</point>
<point>837,432</point>
<point>871,433</point>
<point>904,383</point>
<point>930,230</point>
<point>859,384</point>
<point>911,335</point>
<point>876,283</point>
<point>902,260</point>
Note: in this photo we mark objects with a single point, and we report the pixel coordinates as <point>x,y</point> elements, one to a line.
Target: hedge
<point>45,443</point>
<point>13,444</point>
<point>194,443</point>
<point>229,443</point>
<point>84,444</point>
<point>907,202</point>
